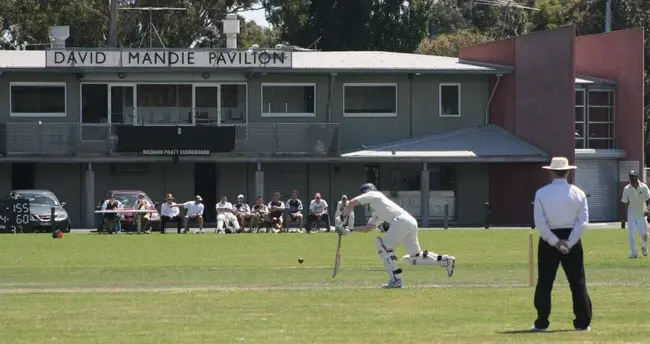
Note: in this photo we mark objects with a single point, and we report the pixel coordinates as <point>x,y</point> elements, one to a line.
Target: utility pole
<point>151,29</point>
<point>114,5</point>
<point>608,15</point>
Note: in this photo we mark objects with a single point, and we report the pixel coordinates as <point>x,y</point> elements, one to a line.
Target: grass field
<point>251,289</point>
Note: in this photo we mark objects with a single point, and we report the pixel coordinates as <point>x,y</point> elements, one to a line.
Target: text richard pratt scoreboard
<point>14,214</point>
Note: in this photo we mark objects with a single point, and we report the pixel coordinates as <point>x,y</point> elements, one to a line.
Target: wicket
<point>531,261</point>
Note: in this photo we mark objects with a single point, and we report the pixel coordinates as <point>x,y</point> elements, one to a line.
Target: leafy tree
<point>449,44</point>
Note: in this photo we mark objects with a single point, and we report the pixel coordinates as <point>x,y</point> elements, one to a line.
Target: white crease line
<point>78,290</point>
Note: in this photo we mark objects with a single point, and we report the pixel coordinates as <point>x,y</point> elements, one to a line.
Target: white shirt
<point>383,208</point>
<point>317,207</point>
<point>169,211</point>
<point>340,206</point>
<point>561,205</point>
<point>193,209</point>
<point>105,204</point>
<point>636,199</point>
<point>243,208</point>
<point>224,207</point>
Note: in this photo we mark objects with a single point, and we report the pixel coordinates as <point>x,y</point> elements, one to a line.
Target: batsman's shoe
<point>450,265</point>
<point>536,329</point>
<point>393,284</point>
<point>644,250</point>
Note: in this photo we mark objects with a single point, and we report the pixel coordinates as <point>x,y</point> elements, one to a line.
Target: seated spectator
<point>318,211</point>
<point>242,211</point>
<point>260,216</point>
<point>294,212</point>
<point>194,213</point>
<point>142,219</point>
<point>169,212</point>
<point>225,215</point>
<point>111,220</point>
<point>339,211</point>
<point>276,210</point>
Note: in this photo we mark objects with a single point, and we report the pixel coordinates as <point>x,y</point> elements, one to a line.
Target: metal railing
<point>307,139</point>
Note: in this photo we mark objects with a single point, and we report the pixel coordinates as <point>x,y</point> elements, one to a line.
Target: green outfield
<point>250,288</point>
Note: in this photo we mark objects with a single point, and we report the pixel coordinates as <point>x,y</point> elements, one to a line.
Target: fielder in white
<point>403,230</point>
<point>225,215</point>
<point>339,211</point>
<point>636,196</point>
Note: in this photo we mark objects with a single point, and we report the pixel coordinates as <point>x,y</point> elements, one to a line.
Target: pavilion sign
<point>143,58</point>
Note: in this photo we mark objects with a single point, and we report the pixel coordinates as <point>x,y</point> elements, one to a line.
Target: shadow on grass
<point>531,332</point>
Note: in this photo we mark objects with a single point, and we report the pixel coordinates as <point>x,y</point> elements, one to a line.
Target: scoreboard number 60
<point>22,213</point>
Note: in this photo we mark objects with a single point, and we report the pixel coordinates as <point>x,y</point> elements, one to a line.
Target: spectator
<point>276,210</point>
<point>225,214</point>
<point>294,212</point>
<point>195,213</point>
<point>142,219</point>
<point>318,211</point>
<point>339,211</point>
<point>260,214</point>
<point>242,211</point>
<point>169,212</point>
<point>111,220</point>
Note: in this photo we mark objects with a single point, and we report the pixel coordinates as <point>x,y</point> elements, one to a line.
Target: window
<point>288,100</point>
<point>449,100</point>
<point>600,119</point>
<point>233,103</point>
<point>370,100</point>
<point>165,104</point>
<point>37,99</point>
<point>580,119</point>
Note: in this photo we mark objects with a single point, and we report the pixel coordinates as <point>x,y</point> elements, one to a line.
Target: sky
<point>258,16</point>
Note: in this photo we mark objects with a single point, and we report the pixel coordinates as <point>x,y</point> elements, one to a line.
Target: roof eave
<point>434,159</point>
<point>255,70</point>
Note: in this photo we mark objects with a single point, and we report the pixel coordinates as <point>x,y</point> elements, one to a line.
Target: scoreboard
<point>14,213</point>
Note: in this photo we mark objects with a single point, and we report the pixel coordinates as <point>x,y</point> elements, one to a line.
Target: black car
<point>41,203</point>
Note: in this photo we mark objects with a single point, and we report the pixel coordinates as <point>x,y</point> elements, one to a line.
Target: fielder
<point>403,230</point>
<point>225,214</point>
<point>636,197</point>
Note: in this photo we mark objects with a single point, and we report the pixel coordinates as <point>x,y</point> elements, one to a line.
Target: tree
<point>251,33</point>
<point>200,25</point>
<point>394,25</point>
<point>449,44</point>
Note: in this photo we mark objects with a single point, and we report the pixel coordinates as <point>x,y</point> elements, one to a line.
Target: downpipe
<point>489,102</point>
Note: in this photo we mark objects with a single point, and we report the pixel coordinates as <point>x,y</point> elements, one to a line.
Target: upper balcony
<point>73,139</point>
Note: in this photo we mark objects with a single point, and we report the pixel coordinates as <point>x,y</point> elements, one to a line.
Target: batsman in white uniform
<point>636,197</point>
<point>225,215</point>
<point>403,230</point>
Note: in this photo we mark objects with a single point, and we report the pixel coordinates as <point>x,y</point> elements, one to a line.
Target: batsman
<point>403,229</point>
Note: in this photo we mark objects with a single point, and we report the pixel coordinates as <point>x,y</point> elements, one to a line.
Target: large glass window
<point>288,100</point>
<point>234,103</point>
<point>369,100</point>
<point>449,100</point>
<point>165,104</point>
<point>580,119</point>
<point>38,99</point>
<point>600,119</point>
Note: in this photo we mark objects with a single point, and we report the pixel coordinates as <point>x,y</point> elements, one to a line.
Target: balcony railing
<point>280,139</point>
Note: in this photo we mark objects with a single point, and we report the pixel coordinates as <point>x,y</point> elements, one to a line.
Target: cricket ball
<point>300,260</point>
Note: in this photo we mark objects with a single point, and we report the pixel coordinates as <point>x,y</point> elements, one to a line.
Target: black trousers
<point>548,260</point>
<point>164,220</point>
<point>311,218</point>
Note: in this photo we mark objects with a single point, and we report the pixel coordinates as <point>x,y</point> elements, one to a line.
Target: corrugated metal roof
<point>316,61</point>
<point>381,60</point>
<point>472,143</point>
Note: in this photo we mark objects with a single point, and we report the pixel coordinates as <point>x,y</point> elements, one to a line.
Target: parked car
<point>128,199</point>
<point>41,203</point>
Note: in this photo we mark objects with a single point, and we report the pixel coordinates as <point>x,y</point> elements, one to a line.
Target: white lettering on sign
<point>133,58</point>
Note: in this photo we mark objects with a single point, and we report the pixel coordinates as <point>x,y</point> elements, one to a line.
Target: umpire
<point>561,216</point>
